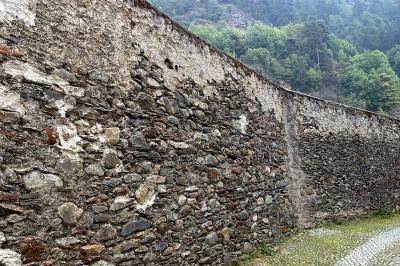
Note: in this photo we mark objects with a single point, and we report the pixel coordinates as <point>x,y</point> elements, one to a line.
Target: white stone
<point>11,101</point>
<point>21,69</point>
<point>102,263</point>
<point>179,145</point>
<point>191,189</point>
<point>68,242</point>
<point>22,10</point>
<point>182,200</point>
<point>2,238</point>
<point>216,133</point>
<point>9,257</point>
<point>69,213</point>
<point>153,83</point>
<point>37,180</point>
<point>268,199</point>
<point>122,199</point>
<point>241,124</point>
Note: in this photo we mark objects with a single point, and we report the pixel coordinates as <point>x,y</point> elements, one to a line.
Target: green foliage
<point>342,50</point>
<point>371,83</point>
<point>263,250</point>
<point>296,71</point>
<point>315,78</point>
<point>385,212</point>
<point>261,59</point>
<point>271,38</point>
<point>394,57</point>
<point>226,39</point>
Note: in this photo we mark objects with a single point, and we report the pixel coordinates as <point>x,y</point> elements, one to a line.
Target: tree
<point>314,78</point>
<point>343,50</point>
<point>394,57</point>
<point>227,39</point>
<point>371,83</point>
<point>296,72</point>
<point>271,38</point>
<point>316,38</point>
<point>261,60</point>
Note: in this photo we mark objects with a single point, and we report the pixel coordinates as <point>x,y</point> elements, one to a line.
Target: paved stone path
<point>370,250</point>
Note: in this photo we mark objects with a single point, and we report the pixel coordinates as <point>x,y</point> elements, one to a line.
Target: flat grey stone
<point>133,227</point>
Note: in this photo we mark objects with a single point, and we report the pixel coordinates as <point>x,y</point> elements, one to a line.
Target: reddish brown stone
<point>122,191</point>
<point>92,252</point>
<point>49,263</point>
<point>8,196</point>
<point>7,133</point>
<point>32,249</point>
<point>178,189</point>
<point>52,136</point>
<point>11,52</point>
<point>214,173</point>
<point>283,229</point>
<point>236,170</point>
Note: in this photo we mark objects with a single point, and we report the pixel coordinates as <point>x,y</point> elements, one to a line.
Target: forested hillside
<point>342,50</point>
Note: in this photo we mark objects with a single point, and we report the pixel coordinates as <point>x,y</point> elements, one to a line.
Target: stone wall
<point>126,140</point>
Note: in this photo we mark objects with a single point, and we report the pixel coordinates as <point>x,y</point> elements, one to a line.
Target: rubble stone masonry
<point>125,140</point>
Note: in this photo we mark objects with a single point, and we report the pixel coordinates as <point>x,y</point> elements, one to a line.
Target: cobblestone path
<point>372,249</point>
<point>371,242</point>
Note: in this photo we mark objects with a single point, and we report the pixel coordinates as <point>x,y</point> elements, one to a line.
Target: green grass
<point>303,249</point>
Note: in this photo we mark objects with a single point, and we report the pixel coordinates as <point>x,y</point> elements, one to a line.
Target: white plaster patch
<point>69,139</point>
<point>332,118</point>
<point>145,196</point>
<point>62,107</point>
<point>11,101</point>
<point>146,204</point>
<point>22,10</point>
<point>241,124</point>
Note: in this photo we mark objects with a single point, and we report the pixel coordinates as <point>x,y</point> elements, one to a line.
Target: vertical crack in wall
<point>295,175</point>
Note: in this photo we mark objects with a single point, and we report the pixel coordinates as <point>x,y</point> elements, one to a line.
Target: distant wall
<point>126,139</point>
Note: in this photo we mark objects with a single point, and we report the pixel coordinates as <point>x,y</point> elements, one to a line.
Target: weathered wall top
<point>126,139</point>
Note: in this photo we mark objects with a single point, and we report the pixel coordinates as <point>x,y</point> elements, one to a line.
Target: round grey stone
<point>94,170</point>
<point>212,238</point>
